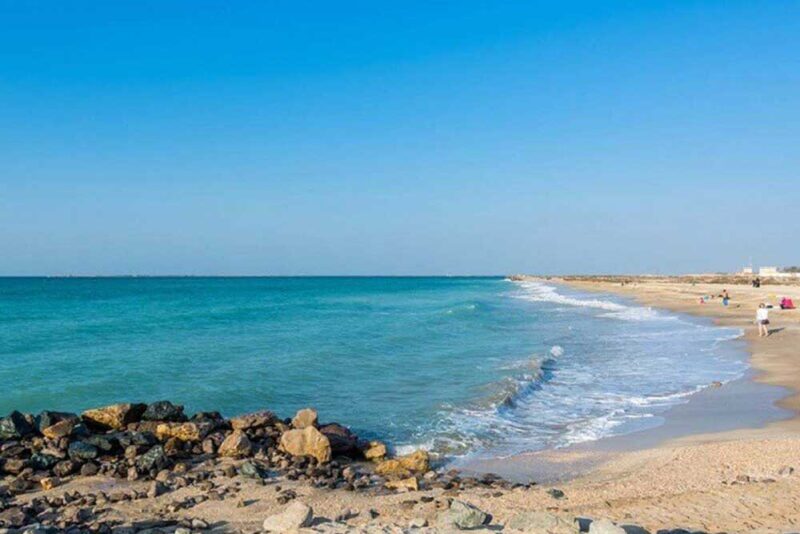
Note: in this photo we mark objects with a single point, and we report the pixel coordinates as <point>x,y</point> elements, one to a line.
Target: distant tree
<point>791,269</point>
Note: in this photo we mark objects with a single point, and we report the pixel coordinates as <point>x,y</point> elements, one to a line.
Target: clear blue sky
<point>159,137</point>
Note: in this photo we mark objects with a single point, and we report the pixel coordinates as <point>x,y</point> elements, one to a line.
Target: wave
<point>541,292</point>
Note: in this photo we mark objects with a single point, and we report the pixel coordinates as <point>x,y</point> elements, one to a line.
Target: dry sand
<point>736,481</point>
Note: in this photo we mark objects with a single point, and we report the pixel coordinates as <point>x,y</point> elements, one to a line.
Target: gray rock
<point>81,451</point>
<point>163,411</point>
<point>249,470</point>
<point>462,515</point>
<point>418,522</point>
<point>296,515</point>
<point>152,459</point>
<point>605,526</point>
<point>16,425</point>
<point>541,522</point>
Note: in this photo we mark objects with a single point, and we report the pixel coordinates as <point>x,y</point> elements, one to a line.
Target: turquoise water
<point>478,366</point>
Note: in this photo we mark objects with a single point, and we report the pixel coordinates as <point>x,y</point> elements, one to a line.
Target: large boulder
<point>541,522</point>
<point>305,417</point>
<point>405,466</point>
<point>307,442</point>
<point>189,432</point>
<point>462,515</point>
<point>253,420</point>
<point>163,411</point>
<point>236,445</point>
<point>16,425</point>
<point>115,417</point>
<point>343,441</point>
<point>295,516</point>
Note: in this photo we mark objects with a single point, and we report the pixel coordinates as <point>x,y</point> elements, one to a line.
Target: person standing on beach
<point>762,318</point>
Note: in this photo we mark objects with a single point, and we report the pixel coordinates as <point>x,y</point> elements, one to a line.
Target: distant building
<point>747,271</point>
<point>774,272</point>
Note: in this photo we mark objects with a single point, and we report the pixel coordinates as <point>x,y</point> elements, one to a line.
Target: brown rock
<point>410,484</point>
<point>183,431</point>
<point>403,466</point>
<point>116,416</point>
<point>375,451</point>
<point>48,483</point>
<point>253,420</point>
<point>305,418</point>
<point>237,445</point>
<point>306,442</point>
<point>62,429</point>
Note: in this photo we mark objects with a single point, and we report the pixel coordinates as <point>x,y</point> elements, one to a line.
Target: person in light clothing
<point>762,318</point>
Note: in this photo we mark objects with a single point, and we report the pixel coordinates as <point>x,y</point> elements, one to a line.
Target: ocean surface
<point>471,367</point>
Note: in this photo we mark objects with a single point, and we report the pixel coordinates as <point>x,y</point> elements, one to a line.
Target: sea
<point>464,367</point>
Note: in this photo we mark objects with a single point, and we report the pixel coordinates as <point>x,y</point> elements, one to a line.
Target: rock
<point>418,522</point>
<point>152,459</point>
<point>295,516</point>
<point>103,443</point>
<point>156,488</point>
<point>115,417</point>
<point>305,418</point>
<point>13,517</point>
<point>236,445</point>
<point>64,468</point>
<point>81,451</point>
<point>163,411</point>
<point>249,470</point>
<point>199,524</point>
<point>89,469</point>
<point>605,526</point>
<point>59,430</point>
<point>410,484</point>
<point>188,432</point>
<point>307,442</point>
<point>375,451</point>
<point>541,522</point>
<point>555,493</point>
<point>138,439</point>
<point>343,441</point>
<point>253,420</point>
<point>16,425</point>
<point>462,515</point>
<point>786,471</point>
<point>43,462</point>
<point>15,465</point>
<point>403,466</point>
<point>48,483</point>
<point>48,418</point>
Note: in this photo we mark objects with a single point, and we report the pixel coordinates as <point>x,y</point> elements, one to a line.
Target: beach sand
<point>740,480</point>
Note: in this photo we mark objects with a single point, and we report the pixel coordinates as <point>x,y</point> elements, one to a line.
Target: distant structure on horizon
<point>771,272</point>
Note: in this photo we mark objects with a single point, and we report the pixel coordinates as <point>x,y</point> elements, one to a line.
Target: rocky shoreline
<point>207,459</point>
<point>158,443</point>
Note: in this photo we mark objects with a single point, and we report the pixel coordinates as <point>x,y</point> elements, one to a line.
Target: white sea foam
<point>541,292</point>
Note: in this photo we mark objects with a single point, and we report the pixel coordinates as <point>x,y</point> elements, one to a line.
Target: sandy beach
<point>740,480</point>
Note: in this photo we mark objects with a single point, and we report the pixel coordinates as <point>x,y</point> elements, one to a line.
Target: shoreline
<point>742,404</point>
<point>732,480</point>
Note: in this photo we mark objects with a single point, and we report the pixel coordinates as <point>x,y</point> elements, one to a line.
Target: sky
<point>464,137</point>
